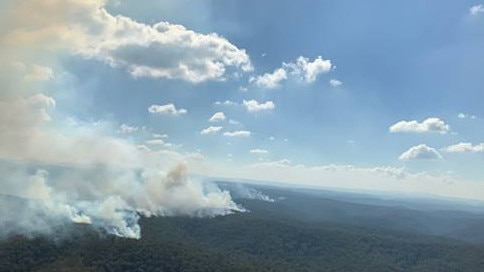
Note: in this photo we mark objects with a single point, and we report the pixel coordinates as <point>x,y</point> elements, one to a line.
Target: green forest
<point>265,239</point>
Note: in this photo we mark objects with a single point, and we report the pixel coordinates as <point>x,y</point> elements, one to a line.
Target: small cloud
<point>125,129</point>
<point>465,116</point>
<point>272,138</point>
<point>234,122</point>
<point>270,80</point>
<point>210,130</point>
<point>172,145</point>
<point>259,151</point>
<point>420,152</point>
<point>225,103</point>
<point>429,125</point>
<point>168,109</point>
<point>303,69</point>
<point>238,133</point>
<point>465,147</point>
<point>335,83</point>
<point>476,10</point>
<point>254,106</point>
<point>243,89</point>
<point>218,116</point>
<point>279,163</point>
<point>309,71</point>
<point>154,142</point>
<point>156,135</point>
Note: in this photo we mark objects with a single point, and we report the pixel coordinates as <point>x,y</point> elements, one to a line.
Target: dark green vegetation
<point>300,232</point>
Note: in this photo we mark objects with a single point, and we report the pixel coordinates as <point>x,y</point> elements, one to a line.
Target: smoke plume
<point>56,170</point>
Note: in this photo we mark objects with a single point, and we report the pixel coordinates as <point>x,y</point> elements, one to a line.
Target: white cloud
<point>234,122</point>
<point>270,80</point>
<point>420,152</point>
<point>168,109</point>
<point>259,151</point>
<point>254,106</point>
<point>309,71</point>
<point>476,10</point>
<point>279,163</point>
<point>303,70</point>
<point>155,142</point>
<point>125,129</point>
<point>218,116</point>
<point>238,133</point>
<point>210,130</point>
<point>172,145</point>
<point>429,125</point>
<point>335,83</point>
<point>465,147</point>
<point>162,50</point>
<point>157,135</point>
<point>465,116</point>
<point>225,103</point>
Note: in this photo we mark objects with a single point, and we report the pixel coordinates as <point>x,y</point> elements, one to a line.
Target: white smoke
<point>57,171</point>
<point>243,191</point>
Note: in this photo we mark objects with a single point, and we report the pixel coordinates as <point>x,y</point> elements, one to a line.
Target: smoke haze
<point>56,170</point>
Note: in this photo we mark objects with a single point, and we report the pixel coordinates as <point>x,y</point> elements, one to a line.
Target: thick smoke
<point>57,171</point>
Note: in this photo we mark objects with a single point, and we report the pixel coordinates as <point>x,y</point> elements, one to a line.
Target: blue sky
<point>392,90</point>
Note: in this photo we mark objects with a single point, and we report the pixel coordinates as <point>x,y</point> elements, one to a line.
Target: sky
<point>366,95</point>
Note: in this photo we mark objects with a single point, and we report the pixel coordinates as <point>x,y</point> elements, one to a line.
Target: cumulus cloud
<point>211,130</point>
<point>255,106</point>
<point>308,71</point>
<point>303,70</point>
<point>58,170</point>
<point>476,10</point>
<point>270,80</point>
<point>238,133</point>
<point>465,147</point>
<point>162,50</point>
<point>168,109</point>
<point>428,125</point>
<point>419,152</point>
<point>259,151</point>
<point>335,83</point>
<point>218,116</point>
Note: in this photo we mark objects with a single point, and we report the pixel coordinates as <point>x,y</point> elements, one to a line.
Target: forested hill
<point>273,236</point>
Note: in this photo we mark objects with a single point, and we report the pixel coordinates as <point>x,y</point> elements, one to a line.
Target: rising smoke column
<point>57,171</point>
